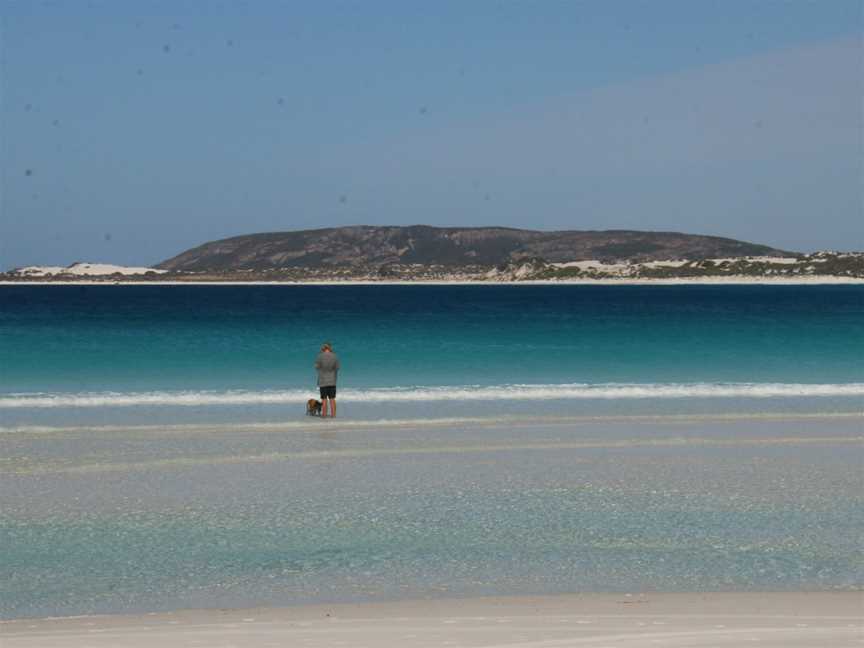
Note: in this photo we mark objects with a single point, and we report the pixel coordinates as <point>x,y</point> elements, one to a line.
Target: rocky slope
<point>377,246</point>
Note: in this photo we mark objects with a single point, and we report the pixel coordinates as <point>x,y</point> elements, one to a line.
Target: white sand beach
<point>800,619</point>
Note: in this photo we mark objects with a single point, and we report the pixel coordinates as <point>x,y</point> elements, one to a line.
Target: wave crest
<point>570,391</point>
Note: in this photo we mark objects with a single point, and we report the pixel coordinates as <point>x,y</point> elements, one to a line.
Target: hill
<point>375,246</point>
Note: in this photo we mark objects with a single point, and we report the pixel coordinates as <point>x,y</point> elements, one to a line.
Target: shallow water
<point>148,519</point>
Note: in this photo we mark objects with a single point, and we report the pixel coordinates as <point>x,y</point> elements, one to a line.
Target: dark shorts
<point>328,392</point>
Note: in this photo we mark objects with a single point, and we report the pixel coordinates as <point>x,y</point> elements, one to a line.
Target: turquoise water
<point>193,353</point>
<point>139,520</point>
<point>492,440</point>
<point>227,337</point>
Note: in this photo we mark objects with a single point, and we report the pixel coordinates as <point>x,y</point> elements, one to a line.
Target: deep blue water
<point>59,338</point>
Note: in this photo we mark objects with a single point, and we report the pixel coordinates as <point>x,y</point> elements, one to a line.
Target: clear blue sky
<point>134,130</point>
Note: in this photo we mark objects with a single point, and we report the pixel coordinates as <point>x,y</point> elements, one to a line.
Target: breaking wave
<point>571,391</point>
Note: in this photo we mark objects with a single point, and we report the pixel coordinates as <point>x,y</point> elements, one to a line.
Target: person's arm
<point>318,361</point>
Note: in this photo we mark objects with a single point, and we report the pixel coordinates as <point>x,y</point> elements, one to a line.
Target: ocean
<point>107,354</point>
<point>154,451</point>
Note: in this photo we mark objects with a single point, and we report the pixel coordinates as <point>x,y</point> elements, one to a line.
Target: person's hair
<point>327,346</point>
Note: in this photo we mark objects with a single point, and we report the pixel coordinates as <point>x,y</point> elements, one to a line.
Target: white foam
<point>572,391</point>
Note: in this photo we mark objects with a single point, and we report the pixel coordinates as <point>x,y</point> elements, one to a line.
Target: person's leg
<point>332,407</point>
<point>324,407</point>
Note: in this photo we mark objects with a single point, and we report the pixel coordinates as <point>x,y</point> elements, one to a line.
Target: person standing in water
<point>327,364</point>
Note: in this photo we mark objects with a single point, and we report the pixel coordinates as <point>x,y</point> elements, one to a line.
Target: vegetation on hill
<point>372,246</point>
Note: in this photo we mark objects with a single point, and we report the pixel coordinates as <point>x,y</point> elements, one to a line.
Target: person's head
<point>326,347</point>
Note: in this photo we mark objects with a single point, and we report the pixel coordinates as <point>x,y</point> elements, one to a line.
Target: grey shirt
<point>327,364</point>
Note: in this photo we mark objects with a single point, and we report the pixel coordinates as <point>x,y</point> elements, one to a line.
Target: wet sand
<point>797,619</point>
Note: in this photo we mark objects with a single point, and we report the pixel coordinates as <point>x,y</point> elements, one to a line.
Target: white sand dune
<point>772,620</point>
<point>84,270</point>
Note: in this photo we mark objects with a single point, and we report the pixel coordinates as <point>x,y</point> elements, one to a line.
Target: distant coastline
<point>424,255</point>
<point>682,281</point>
<point>815,268</point>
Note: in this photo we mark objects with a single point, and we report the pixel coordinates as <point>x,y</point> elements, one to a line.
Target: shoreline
<point>801,618</point>
<point>344,424</point>
<point>680,281</point>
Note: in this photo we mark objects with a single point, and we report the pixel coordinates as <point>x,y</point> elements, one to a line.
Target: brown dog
<point>313,407</point>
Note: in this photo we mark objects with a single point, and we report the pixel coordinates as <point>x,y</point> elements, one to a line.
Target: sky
<point>133,130</point>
